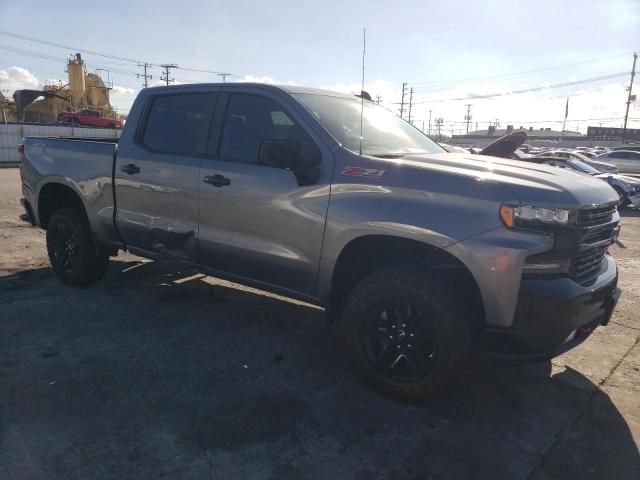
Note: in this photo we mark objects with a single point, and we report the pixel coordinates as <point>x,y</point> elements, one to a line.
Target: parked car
<point>627,161</point>
<point>602,166</point>
<point>628,148</point>
<point>420,256</point>
<point>90,118</point>
<point>628,188</point>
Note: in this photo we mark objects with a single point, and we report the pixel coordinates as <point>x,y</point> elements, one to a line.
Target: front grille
<point>595,216</point>
<point>599,235</point>
<point>586,263</point>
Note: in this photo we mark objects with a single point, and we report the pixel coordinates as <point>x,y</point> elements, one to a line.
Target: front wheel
<point>72,252</point>
<point>407,333</point>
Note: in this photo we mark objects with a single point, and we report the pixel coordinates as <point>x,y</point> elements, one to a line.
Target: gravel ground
<point>154,373</point>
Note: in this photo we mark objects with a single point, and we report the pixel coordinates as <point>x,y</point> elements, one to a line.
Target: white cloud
<point>17,78</point>
<point>262,79</point>
<point>119,90</point>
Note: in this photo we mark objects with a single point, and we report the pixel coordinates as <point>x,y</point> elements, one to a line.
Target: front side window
<point>178,124</point>
<point>252,119</point>
<point>383,133</point>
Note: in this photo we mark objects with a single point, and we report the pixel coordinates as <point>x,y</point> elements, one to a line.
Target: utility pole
<point>410,102</point>
<point>629,98</point>
<point>467,117</point>
<point>224,76</point>
<point>404,88</point>
<point>439,122</point>
<point>429,122</point>
<point>378,99</point>
<point>165,77</point>
<point>497,124</point>
<point>144,75</point>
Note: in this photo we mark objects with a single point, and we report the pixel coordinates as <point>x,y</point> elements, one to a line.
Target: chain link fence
<point>11,135</point>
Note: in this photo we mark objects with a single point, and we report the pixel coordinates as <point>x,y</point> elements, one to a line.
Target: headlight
<point>533,266</point>
<point>513,216</point>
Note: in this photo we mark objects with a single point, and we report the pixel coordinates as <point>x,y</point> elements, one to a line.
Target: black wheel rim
<point>65,249</point>
<point>399,342</point>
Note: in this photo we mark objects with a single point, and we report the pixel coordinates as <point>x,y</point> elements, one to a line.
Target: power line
<point>93,52</point>
<point>517,74</point>
<point>528,90</point>
<point>52,58</point>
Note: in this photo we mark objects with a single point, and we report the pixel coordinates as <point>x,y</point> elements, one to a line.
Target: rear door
<point>260,222</point>
<point>156,174</point>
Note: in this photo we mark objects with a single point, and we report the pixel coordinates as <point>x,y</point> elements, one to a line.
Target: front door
<point>156,174</point>
<point>261,222</point>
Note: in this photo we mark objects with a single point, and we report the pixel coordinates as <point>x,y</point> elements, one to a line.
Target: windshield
<point>383,133</point>
<point>583,167</point>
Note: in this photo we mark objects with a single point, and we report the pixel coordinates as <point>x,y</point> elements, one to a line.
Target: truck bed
<point>85,165</point>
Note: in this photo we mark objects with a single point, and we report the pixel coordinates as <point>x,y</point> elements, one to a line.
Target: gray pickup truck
<point>421,258</point>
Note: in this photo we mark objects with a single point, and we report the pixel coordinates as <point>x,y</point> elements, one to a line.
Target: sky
<point>446,51</point>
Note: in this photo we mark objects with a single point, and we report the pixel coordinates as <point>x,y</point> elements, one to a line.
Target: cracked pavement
<point>154,373</point>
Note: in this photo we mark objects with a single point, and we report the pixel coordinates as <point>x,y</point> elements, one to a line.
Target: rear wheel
<point>407,334</point>
<point>72,252</point>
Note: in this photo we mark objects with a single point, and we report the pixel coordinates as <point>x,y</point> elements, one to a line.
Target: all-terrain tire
<point>72,251</point>
<point>431,295</point>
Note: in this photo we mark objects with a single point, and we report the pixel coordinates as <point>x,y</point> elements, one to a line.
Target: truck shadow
<point>154,372</point>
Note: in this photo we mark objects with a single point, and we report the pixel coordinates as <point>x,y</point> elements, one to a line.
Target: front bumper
<point>553,316</point>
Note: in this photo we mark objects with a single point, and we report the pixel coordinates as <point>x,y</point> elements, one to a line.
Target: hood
<point>505,146</point>
<point>531,183</point>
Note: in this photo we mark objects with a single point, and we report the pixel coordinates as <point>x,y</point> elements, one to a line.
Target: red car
<point>90,118</point>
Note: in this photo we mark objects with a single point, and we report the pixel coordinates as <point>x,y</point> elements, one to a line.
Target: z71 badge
<point>363,172</point>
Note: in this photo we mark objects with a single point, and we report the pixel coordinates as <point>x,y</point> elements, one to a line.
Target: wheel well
<point>54,196</point>
<point>365,255</point>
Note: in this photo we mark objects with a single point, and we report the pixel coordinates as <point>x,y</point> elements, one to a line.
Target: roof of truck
<point>292,89</point>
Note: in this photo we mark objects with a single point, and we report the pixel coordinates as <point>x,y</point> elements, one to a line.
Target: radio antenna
<point>364,51</point>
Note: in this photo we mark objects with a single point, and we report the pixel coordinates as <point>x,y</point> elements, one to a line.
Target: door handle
<point>217,180</point>
<point>130,169</point>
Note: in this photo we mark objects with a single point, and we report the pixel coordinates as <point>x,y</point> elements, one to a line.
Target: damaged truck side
<point>419,256</point>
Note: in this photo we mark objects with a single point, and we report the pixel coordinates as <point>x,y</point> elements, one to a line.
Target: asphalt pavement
<point>157,373</point>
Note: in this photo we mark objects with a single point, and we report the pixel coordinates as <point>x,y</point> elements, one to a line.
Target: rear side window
<point>178,124</point>
<point>252,119</point>
<point>619,155</point>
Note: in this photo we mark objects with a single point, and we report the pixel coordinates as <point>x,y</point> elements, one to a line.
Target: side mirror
<point>284,154</point>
